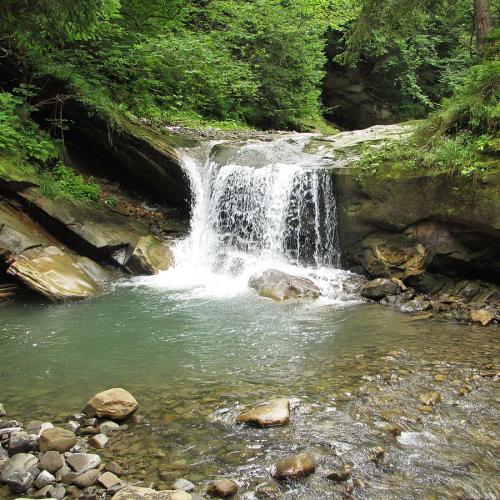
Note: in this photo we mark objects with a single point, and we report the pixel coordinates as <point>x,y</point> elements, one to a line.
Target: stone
<point>114,468</point>
<point>58,491</point>
<point>108,427</point>
<point>376,454</point>
<point>440,377</point>
<point>115,403</point>
<point>43,479</point>
<point>378,288</point>
<point>108,480</point>
<point>222,488</point>
<point>295,466</point>
<point>89,431</point>
<point>45,492</point>
<point>271,414</point>
<point>430,398</point>
<point>22,442</point>
<point>391,428</point>
<point>86,479</point>
<point>136,493</point>
<point>483,316</point>
<point>57,439</point>
<point>36,427</point>
<point>281,286</point>
<point>425,408</point>
<point>60,473</point>
<point>20,472</point>
<point>99,440</point>
<point>90,422</point>
<point>72,426</point>
<point>268,490</point>
<point>82,462</point>
<point>3,413</point>
<point>418,304</point>
<point>183,484</point>
<point>150,256</point>
<point>339,474</point>
<point>52,461</point>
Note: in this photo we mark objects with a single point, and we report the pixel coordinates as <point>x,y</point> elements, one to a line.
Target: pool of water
<point>194,360</point>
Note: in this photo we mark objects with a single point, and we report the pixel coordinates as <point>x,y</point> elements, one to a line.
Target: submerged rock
<point>223,488</point>
<point>339,474</point>
<point>108,480</point>
<point>295,466</point>
<point>271,414</point>
<point>114,403</point>
<point>280,286</point>
<point>57,439</point>
<point>379,288</point>
<point>430,398</point>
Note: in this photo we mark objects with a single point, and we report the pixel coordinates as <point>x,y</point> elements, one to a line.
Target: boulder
<point>20,472</point>
<point>379,288</point>
<point>223,488</point>
<point>280,286</point>
<point>136,493</point>
<point>57,439</point>
<point>295,466</point>
<point>82,462</point>
<point>22,442</point>
<point>116,403</point>
<point>150,256</point>
<point>271,414</point>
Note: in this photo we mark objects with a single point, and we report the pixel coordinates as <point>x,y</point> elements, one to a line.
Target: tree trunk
<point>483,21</point>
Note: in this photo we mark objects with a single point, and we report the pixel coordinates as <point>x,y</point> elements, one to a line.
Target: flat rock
<point>86,479</point>
<point>281,286</point>
<point>115,468</point>
<point>57,439</point>
<point>82,462</point>
<point>222,488</point>
<point>114,403</point>
<point>43,479</point>
<point>108,480</point>
<point>270,414</point>
<point>136,493</point>
<point>20,472</point>
<point>378,288</point>
<point>295,466</point>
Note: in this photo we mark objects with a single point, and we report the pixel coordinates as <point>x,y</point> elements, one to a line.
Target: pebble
<point>425,408</point>
<point>440,377</point>
<point>82,462</point>
<point>271,414</point>
<point>72,426</point>
<point>376,454</point>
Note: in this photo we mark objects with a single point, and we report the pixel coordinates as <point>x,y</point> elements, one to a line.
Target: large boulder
<point>150,256</point>
<point>20,472</point>
<point>115,403</point>
<point>280,286</point>
<point>271,414</point>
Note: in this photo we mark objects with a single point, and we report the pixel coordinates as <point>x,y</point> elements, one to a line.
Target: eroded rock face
<point>295,466</point>
<point>54,274</point>
<point>150,256</point>
<point>136,493</point>
<point>281,286</point>
<point>114,403</point>
<point>271,414</point>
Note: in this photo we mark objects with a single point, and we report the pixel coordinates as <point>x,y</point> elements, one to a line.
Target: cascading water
<point>256,205</point>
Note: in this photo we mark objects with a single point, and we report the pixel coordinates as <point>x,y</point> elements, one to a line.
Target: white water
<point>269,205</point>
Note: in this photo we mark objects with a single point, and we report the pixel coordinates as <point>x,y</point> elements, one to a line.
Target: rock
<point>72,426</point>
<point>82,462</point>
<point>54,274</point>
<point>281,286</point>
<point>108,427</point>
<point>391,428</point>
<point>271,414</point>
<point>376,454</point>
<point>183,484</point>
<point>45,492</point>
<point>425,408</point>
<point>20,472</point>
<point>89,431</point>
<point>3,413</point>
<point>136,493</point>
<point>86,479</point>
<point>483,316</point>
<point>268,490</point>
<point>36,427</point>
<point>114,468</point>
<point>150,256</point>
<point>90,422</point>
<point>430,398</point>
<point>22,442</point>
<point>223,488</point>
<point>99,440</point>
<point>43,479</point>
<point>440,377</point>
<point>57,439</point>
<point>108,480</point>
<point>339,474</point>
<point>295,466</point>
<point>379,288</point>
<point>115,403</point>
<point>418,304</point>
<point>52,461</point>
<point>60,473</point>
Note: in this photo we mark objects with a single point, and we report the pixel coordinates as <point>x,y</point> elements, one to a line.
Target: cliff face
<point>419,228</point>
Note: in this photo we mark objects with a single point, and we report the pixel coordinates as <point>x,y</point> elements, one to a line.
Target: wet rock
<point>108,480</point>
<point>115,403</point>
<point>3,413</point>
<point>222,488</point>
<point>376,454</point>
<point>150,256</point>
<point>483,316</point>
<point>22,442</point>
<point>86,479</point>
<point>43,479</point>
<point>136,493</point>
<point>280,286</point>
<point>295,466</point>
<point>379,288</point>
<point>82,462</point>
<point>99,441</point>
<point>20,472</point>
<point>339,474</point>
<point>418,304</point>
<point>391,428</point>
<point>114,468</point>
<point>183,484</point>
<point>57,439</point>
<point>430,398</point>
<point>271,414</point>
<point>108,427</point>
<point>268,490</point>
<point>52,461</point>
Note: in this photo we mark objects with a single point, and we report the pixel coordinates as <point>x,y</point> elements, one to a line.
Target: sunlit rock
<point>271,414</point>
<point>295,466</point>
<point>114,403</point>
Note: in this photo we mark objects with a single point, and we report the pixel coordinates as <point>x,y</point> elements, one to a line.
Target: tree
<point>483,22</point>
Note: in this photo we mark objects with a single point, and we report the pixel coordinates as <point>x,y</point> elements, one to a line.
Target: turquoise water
<point>193,361</point>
